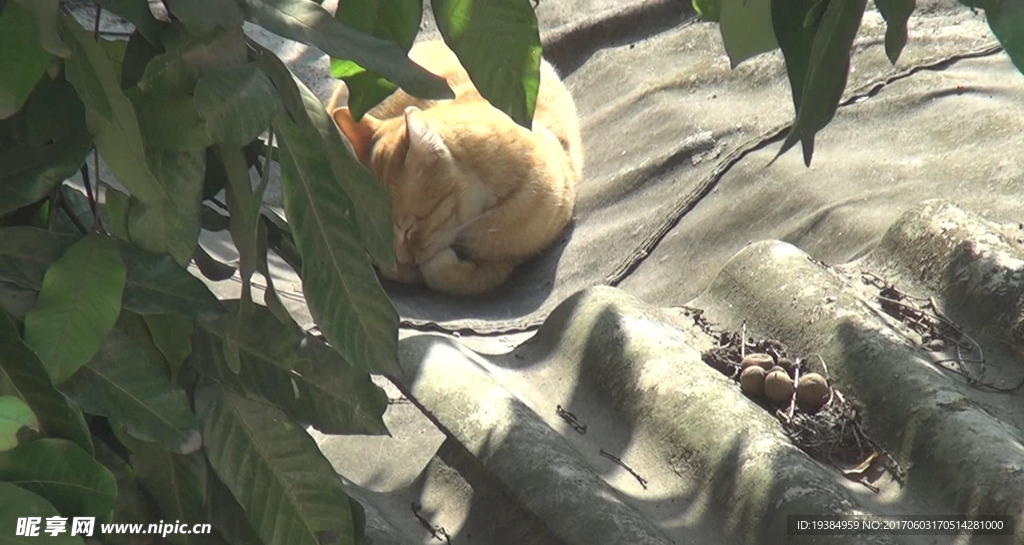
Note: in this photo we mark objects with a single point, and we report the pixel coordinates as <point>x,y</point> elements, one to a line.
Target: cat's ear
<point>359,133</point>
<point>425,144</point>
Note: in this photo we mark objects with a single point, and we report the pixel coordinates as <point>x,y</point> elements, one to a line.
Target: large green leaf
<point>242,222</point>
<point>170,121</point>
<point>45,14</point>
<point>79,302</point>
<point>499,44</point>
<point>746,27</point>
<point>171,224</point>
<point>371,200</point>
<point>237,103</point>
<point>26,253</point>
<point>14,415</point>
<point>202,16</point>
<point>128,382</point>
<point>176,482</point>
<point>138,14</point>
<point>827,72</point>
<point>62,473</point>
<point>22,375</point>
<point>109,112</point>
<point>52,146</point>
<point>226,515</point>
<point>187,56</point>
<point>341,288</point>
<point>896,13</point>
<point>17,503</point>
<point>158,285</point>
<point>395,20</point>
<point>155,284</point>
<point>305,21</point>
<point>133,504</point>
<point>22,59</point>
<point>294,371</point>
<point>796,39</point>
<point>1006,19</point>
<point>275,471</point>
<point>172,334</point>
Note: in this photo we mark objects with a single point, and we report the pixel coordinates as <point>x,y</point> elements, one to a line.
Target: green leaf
<point>188,56</point>
<point>226,515</point>
<point>26,253</point>
<point>128,382</point>
<point>17,503</point>
<point>22,375</point>
<point>796,40</point>
<point>294,371</point>
<point>342,290</point>
<point>275,471</point>
<point>79,302</point>
<point>709,10</point>
<point>138,14</point>
<point>138,53</point>
<point>116,206</point>
<point>62,473</point>
<point>827,72</point>
<point>171,224</point>
<point>176,482</point>
<point>45,14</point>
<point>499,44</point>
<point>237,103</point>
<point>14,415</point>
<point>170,121</point>
<point>52,148</point>
<point>896,13</point>
<point>746,27</point>
<point>22,59</point>
<point>133,504</point>
<point>242,222</point>
<point>202,16</point>
<point>394,20</point>
<point>172,334</point>
<point>1006,19</point>
<point>305,21</point>
<point>109,112</point>
<point>76,205</point>
<point>155,284</point>
<point>366,90</point>
<point>158,285</point>
<point>372,203</point>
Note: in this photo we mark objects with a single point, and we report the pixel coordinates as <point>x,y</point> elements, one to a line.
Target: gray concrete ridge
<point>718,467</point>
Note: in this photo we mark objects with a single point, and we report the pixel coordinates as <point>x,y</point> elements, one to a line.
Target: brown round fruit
<point>812,391</point>
<point>778,387</point>
<point>787,364</point>
<point>752,381</point>
<point>761,360</point>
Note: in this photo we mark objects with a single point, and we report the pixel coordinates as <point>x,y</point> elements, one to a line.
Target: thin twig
<point>96,23</point>
<point>97,223</point>
<point>617,460</point>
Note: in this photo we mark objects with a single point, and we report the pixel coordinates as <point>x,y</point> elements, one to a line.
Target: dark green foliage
<point>128,391</point>
<point>816,37</point>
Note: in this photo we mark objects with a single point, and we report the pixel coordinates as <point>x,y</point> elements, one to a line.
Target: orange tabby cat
<point>473,194</point>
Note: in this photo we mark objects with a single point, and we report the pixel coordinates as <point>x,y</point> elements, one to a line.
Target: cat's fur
<point>473,194</point>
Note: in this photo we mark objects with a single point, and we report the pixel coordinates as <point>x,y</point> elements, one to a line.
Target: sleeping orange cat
<point>473,194</point>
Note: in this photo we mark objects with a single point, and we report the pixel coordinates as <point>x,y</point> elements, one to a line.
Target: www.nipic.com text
<point>85,526</point>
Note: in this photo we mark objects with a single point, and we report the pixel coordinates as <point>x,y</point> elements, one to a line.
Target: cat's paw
<point>439,268</point>
<point>402,273</point>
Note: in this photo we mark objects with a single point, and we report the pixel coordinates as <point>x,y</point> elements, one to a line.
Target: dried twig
<point>617,460</point>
